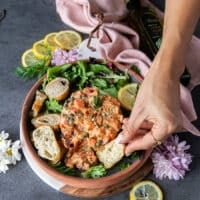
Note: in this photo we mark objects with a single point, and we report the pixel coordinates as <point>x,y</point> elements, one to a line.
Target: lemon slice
<point>49,40</point>
<point>41,51</point>
<point>68,39</point>
<point>127,95</point>
<point>146,190</point>
<point>28,59</point>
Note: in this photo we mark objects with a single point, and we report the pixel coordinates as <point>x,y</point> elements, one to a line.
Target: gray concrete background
<point>28,21</point>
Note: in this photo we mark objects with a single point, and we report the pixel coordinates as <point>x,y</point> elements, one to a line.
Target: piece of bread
<point>57,89</point>
<point>45,142</point>
<point>52,120</point>
<point>40,98</point>
<point>111,153</point>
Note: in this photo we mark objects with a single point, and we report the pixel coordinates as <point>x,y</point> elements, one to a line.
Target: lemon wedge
<point>68,39</point>
<point>41,50</point>
<point>28,59</point>
<point>146,190</point>
<point>127,95</point>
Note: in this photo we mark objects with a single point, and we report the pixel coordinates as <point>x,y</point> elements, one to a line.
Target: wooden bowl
<point>76,186</point>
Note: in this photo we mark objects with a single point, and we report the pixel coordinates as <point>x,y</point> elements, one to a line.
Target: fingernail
<point>119,138</point>
<point>128,154</point>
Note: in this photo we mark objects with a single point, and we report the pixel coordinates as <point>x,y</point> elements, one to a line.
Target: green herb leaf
<point>95,172</point>
<point>56,71</point>
<point>116,77</point>
<point>96,68</point>
<point>124,165</point>
<point>97,102</point>
<point>31,71</point>
<point>111,91</point>
<point>134,155</point>
<point>52,105</point>
<point>99,83</point>
<point>64,170</point>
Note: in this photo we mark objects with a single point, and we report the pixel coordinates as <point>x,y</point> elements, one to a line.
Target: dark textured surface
<point>26,22</point>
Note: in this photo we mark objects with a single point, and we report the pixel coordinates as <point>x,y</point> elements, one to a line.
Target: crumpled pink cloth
<point>120,43</point>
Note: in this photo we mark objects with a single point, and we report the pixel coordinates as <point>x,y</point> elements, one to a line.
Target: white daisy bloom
<point>3,140</point>
<point>9,152</point>
<point>4,145</point>
<point>3,135</point>
<point>13,152</point>
<point>4,162</point>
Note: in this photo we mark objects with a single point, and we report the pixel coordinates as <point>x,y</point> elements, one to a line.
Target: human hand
<point>156,113</point>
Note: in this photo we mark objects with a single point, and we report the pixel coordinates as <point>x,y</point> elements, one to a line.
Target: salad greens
<point>32,71</point>
<point>84,74</point>
<point>64,170</point>
<point>95,172</point>
<point>52,105</point>
<point>129,160</point>
<point>124,165</point>
<point>97,102</point>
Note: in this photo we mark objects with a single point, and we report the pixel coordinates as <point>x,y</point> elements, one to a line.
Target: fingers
<point>146,141</point>
<point>130,129</point>
<point>145,124</point>
<point>141,142</point>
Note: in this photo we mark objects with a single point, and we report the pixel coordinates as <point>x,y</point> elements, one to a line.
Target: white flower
<point>4,145</point>
<point>4,162</point>
<point>13,152</point>
<point>3,141</point>
<point>9,152</point>
<point>3,135</point>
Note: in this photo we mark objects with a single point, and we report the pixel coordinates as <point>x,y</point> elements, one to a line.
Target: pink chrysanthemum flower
<point>60,57</point>
<point>171,159</point>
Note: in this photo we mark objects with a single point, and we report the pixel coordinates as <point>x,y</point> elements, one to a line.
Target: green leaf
<point>83,76</point>
<point>99,83</point>
<point>124,165</point>
<point>52,105</point>
<point>97,102</point>
<point>31,71</point>
<point>116,77</point>
<point>96,68</point>
<point>95,172</point>
<point>111,91</point>
<point>121,83</point>
<point>64,170</point>
<point>134,155</point>
<point>56,71</point>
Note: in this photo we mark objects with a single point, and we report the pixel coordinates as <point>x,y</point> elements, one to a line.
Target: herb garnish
<point>64,170</point>
<point>52,105</point>
<point>95,172</point>
<point>97,102</point>
<point>31,71</point>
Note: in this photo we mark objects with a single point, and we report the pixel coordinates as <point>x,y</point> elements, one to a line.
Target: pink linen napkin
<point>120,43</point>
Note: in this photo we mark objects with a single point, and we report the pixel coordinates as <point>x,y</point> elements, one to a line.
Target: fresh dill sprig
<point>31,71</point>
